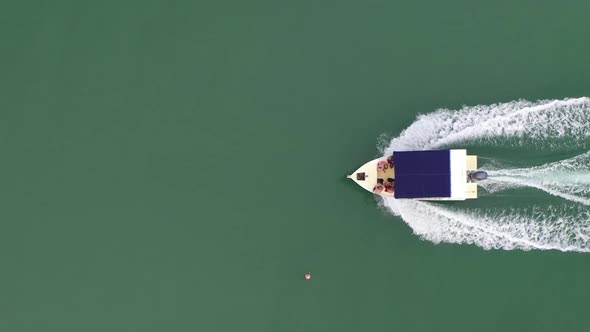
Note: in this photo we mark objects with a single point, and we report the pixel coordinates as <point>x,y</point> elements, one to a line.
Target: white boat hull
<point>461,187</point>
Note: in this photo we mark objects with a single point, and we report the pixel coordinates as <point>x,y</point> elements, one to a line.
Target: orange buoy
<point>308,276</point>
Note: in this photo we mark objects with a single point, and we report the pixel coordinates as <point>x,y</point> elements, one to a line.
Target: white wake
<point>568,179</point>
<point>522,122</point>
<point>545,126</point>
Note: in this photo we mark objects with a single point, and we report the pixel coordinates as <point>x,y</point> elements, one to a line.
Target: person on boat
<point>390,161</point>
<point>378,188</point>
<point>389,187</point>
<point>382,166</point>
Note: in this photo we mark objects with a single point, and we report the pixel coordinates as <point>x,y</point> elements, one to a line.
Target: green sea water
<point>179,165</point>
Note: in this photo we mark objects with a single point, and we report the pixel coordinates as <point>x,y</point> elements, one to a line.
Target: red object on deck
<point>308,276</point>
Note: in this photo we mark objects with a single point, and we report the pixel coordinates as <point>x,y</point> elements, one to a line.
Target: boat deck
<point>371,173</point>
<point>385,174</point>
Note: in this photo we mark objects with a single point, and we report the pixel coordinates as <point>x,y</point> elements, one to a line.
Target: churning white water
<point>568,179</point>
<point>546,126</point>
<point>523,121</point>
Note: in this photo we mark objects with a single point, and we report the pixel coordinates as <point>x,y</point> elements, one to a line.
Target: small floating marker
<point>308,276</point>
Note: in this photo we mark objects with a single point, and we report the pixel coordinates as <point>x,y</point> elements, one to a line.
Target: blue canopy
<point>422,174</point>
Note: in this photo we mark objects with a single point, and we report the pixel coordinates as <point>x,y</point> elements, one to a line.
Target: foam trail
<point>543,125</point>
<point>568,179</point>
<point>535,228</point>
<point>545,188</point>
<point>516,123</point>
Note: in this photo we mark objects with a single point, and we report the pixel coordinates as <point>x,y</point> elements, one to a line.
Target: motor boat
<point>436,175</point>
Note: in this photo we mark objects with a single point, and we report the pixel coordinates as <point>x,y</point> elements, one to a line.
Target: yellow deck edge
<point>471,163</point>
<point>471,191</point>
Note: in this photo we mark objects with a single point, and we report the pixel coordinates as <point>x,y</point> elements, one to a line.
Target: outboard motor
<point>478,176</point>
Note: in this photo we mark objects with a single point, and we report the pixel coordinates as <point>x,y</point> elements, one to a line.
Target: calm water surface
<point>178,166</point>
